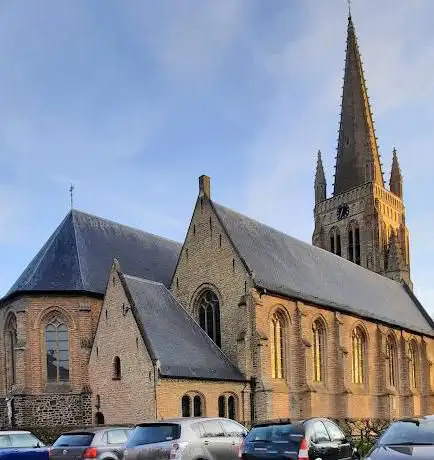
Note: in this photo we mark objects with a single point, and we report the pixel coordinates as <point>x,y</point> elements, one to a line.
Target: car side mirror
<point>244,434</point>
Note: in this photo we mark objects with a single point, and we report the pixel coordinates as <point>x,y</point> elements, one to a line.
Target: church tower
<point>363,221</point>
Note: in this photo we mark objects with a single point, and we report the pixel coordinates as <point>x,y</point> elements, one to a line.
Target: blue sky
<point>133,100</point>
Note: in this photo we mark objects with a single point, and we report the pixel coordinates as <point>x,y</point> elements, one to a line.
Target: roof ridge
<point>143,280</point>
<point>48,245</point>
<point>76,249</point>
<point>315,248</point>
<point>113,222</point>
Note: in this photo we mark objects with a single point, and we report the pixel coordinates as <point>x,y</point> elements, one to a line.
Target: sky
<point>131,101</point>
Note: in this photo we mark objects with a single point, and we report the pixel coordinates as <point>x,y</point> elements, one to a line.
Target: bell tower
<point>363,221</point>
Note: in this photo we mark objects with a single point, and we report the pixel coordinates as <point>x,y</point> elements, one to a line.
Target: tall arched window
<point>358,351</point>
<point>391,356</point>
<point>117,370</point>
<point>413,363</point>
<point>318,331</point>
<point>57,350</point>
<point>354,243</point>
<point>197,406</point>
<point>227,406</point>
<point>11,343</point>
<point>335,241</point>
<point>277,342</point>
<point>209,315</point>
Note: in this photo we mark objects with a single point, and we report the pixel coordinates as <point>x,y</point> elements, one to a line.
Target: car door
<point>321,446</point>
<point>235,433</point>
<point>337,436</point>
<point>214,440</point>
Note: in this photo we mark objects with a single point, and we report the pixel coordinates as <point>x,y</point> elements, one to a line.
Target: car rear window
<point>409,432</point>
<point>154,433</point>
<point>74,440</point>
<point>288,433</point>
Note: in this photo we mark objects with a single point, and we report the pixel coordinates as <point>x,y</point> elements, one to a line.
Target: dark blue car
<point>21,445</point>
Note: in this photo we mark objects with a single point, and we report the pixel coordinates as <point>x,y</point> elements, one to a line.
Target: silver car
<point>195,438</point>
<point>100,443</point>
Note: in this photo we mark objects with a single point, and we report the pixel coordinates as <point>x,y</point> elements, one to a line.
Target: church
<point>110,324</point>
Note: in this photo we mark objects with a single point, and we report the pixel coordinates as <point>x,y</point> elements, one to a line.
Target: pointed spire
<point>358,158</point>
<point>320,181</point>
<point>395,183</point>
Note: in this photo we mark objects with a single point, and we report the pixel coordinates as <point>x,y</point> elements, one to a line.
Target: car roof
<point>96,429</point>
<point>184,420</point>
<point>3,433</point>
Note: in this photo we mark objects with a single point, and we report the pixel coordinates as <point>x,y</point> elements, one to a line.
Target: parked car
<point>101,443</point>
<point>311,439</point>
<point>190,438</point>
<point>406,439</point>
<point>21,445</point>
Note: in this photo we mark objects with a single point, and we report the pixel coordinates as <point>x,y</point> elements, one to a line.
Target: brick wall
<point>48,410</point>
<point>337,396</point>
<point>132,398</point>
<point>171,391</point>
<point>208,259</point>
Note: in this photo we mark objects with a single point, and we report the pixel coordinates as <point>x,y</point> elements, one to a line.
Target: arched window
<point>318,331</point>
<point>99,418</point>
<point>117,373</point>
<point>358,350</point>
<point>277,342</point>
<point>186,406</point>
<point>222,406</point>
<point>11,343</point>
<point>335,241</point>
<point>413,364</point>
<point>354,243</point>
<point>391,357</point>
<point>227,406</point>
<point>209,315</point>
<point>197,406</point>
<point>57,350</point>
<point>192,402</point>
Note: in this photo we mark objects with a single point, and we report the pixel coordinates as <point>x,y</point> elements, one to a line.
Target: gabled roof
<point>290,267</point>
<point>172,336</point>
<point>79,254</point>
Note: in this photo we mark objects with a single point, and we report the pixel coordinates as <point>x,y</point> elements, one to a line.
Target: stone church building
<point>110,324</point>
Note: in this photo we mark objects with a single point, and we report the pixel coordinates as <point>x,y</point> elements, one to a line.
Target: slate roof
<point>173,337</point>
<point>287,266</point>
<point>79,254</point>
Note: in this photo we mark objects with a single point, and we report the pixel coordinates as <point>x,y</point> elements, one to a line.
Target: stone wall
<point>49,410</point>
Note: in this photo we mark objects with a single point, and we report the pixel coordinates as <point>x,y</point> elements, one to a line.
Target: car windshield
<point>74,440</point>
<point>272,433</point>
<point>409,432</point>
<point>154,433</point>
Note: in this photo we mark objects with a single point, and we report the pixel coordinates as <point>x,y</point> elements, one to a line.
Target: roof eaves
<point>419,306</point>
<point>210,379</point>
<point>341,308</point>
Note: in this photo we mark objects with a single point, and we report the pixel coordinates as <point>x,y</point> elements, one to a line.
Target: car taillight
<point>303,453</point>
<point>176,449</point>
<point>89,452</point>
<point>241,449</point>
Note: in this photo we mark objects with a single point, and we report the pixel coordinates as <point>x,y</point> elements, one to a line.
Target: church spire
<point>358,158</point>
<point>320,181</point>
<point>395,182</point>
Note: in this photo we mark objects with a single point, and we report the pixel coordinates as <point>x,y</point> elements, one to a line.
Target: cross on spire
<point>71,193</point>
<point>349,8</point>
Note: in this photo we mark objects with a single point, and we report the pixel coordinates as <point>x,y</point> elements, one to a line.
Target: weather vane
<point>349,7</point>
<point>71,192</point>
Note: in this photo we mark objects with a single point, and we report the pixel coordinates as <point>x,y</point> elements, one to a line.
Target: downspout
<point>252,400</point>
<point>156,374</point>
